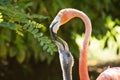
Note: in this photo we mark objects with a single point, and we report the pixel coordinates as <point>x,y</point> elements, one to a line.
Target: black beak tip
<point>53,35</point>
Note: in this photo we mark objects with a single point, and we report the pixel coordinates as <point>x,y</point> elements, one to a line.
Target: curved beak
<point>54,26</point>
<point>65,44</point>
<point>59,45</point>
<point>52,31</point>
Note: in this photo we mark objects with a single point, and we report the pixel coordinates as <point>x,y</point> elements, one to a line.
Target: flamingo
<point>66,59</point>
<point>63,17</point>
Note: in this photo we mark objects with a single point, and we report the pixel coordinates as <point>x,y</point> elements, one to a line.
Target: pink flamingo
<point>64,16</point>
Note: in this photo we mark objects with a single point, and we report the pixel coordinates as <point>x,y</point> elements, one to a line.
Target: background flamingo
<point>64,16</point>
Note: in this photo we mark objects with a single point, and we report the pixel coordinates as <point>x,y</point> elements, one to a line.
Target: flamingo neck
<point>67,74</point>
<point>69,14</point>
<point>83,67</point>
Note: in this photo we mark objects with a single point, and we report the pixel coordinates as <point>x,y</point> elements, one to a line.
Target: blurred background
<point>26,49</point>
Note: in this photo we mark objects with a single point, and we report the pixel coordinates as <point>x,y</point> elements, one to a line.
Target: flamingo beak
<point>54,26</point>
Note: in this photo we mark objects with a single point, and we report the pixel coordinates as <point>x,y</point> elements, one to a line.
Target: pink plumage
<point>110,74</point>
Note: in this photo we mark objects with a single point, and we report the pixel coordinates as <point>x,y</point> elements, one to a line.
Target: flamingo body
<point>110,74</point>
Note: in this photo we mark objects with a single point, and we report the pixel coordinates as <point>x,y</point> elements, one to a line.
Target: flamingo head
<point>62,17</point>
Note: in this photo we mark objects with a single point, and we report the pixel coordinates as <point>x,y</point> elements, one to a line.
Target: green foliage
<point>45,42</point>
<point>5,2</point>
<point>7,25</point>
<point>16,20</point>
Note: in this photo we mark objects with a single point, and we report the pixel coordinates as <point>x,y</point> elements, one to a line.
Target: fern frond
<point>33,27</point>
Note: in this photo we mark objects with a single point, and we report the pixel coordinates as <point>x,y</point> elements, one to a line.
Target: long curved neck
<point>83,68</point>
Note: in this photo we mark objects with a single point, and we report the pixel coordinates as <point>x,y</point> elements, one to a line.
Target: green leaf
<point>35,31</point>
<point>38,35</point>
<point>21,57</point>
<point>48,41</point>
<point>30,28</point>
<point>5,2</point>
<point>45,47</point>
<point>12,52</point>
<point>1,17</point>
<point>41,43</point>
<point>25,26</point>
<point>38,16</point>
<point>19,33</point>
<point>8,25</point>
<point>49,50</point>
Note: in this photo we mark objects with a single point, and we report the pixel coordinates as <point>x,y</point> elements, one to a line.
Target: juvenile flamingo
<point>64,16</point>
<point>66,59</point>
